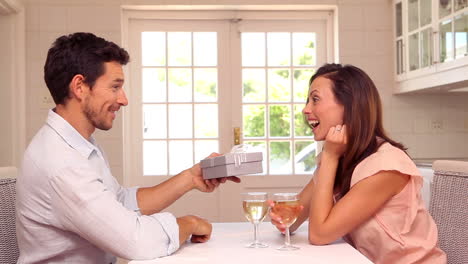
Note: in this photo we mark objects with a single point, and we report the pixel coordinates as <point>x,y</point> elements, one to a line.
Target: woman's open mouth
<point>314,123</point>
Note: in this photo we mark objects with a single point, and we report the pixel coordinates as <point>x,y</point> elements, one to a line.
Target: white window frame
<point>299,12</point>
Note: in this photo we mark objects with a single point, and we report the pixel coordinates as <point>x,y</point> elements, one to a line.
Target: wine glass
<point>288,208</point>
<point>255,209</point>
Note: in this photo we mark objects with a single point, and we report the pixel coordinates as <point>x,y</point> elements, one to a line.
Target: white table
<point>228,240</point>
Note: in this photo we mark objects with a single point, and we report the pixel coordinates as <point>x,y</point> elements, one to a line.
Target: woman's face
<point>322,111</point>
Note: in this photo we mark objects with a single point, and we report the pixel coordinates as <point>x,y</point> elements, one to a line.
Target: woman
<point>365,188</point>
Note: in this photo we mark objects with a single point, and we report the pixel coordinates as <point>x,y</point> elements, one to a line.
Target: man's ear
<point>78,88</point>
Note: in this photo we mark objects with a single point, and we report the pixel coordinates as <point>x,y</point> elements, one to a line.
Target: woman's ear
<point>78,88</point>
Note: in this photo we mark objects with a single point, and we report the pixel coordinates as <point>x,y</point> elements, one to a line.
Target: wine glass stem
<point>287,239</point>
<point>256,233</point>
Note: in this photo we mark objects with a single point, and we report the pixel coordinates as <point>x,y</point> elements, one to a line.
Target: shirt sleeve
<point>387,158</point>
<point>127,197</point>
<point>83,205</point>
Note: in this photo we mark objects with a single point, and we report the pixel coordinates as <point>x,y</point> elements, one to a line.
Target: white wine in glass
<point>288,208</point>
<point>255,209</point>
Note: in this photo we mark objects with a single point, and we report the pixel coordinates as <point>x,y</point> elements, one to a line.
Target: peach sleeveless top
<point>402,231</point>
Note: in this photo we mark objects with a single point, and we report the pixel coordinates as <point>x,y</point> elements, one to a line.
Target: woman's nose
<point>307,108</point>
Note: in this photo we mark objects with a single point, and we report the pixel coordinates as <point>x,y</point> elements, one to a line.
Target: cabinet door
<point>461,35</point>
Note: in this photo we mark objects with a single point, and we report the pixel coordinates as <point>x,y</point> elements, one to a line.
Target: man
<point>70,209</point>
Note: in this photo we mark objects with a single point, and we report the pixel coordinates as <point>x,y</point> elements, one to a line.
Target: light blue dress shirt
<point>70,209</point>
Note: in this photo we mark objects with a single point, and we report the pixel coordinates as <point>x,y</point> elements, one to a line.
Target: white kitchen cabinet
<point>430,40</point>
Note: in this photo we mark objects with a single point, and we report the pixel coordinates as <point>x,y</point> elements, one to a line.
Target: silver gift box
<point>232,164</point>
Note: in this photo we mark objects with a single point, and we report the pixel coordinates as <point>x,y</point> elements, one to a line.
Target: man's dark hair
<point>78,53</point>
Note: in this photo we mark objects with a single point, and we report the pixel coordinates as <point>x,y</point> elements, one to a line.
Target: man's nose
<point>122,99</point>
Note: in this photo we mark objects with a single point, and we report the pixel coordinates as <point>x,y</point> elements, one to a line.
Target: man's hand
<point>197,227</point>
<point>210,185</point>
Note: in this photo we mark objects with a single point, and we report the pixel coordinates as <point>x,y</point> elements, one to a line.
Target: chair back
<point>449,208</point>
<point>9,252</point>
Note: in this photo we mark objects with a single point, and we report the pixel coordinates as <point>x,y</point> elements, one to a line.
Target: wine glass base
<point>288,248</point>
<point>256,245</point>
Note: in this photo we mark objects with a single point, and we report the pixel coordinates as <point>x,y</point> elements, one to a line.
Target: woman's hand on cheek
<point>335,141</point>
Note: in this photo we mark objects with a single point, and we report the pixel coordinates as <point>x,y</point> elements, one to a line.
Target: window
<point>276,68</point>
<point>179,99</point>
<point>193,80</point>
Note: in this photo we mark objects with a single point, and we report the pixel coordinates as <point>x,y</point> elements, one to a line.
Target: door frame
<point>228,193</point>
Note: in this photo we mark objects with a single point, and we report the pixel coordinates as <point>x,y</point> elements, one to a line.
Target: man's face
<point>106,97</point>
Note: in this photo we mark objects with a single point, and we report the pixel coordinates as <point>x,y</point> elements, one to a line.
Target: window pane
<point>413,16</point>
<point>206,120</point>
<point>153,48</point>
<point>445,7</point>
<point>461,35</point>
<point>446,41</point>
<point>304,49</point>
<point>426,52</point>
<point>154,121</point>
<point>206,84</point>
<point>414,51</point>
<point>426,11</point>
<point>253,49</point>
<point>301,128</point>
<point>253,83</point>
<point>304,156</point>
<point>253,120</point>
<point>279,85</point>
<point>399,19</point>
<point>203,148</point>
<point>205,49</point>
<point>180,121</point>
<point>180,85</point>
<point>180,156</point>
<point>280,120</point>
<point>399,54</point>
<point>154,158</point>
<point>301,84</point>
<point>154,85</point>
<point>179,48</point>
<point>460,4</point>
<point>280,158</point>
<point>279,49</point>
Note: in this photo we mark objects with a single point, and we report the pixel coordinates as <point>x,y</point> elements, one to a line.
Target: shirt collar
<point>70,135</point>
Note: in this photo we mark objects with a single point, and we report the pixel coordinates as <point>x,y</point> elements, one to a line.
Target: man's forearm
<point>156,198</point>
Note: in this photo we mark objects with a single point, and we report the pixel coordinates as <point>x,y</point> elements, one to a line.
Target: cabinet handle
<point>403,56</point>
<point>435,51</point>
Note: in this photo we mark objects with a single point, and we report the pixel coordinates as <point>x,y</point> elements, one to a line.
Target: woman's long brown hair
<point>354,89</point>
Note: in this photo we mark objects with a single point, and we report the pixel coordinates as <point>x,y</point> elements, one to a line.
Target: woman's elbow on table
<point>319,238</point>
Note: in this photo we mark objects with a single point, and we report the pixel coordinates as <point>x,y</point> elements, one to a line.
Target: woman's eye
<point>315,99</point>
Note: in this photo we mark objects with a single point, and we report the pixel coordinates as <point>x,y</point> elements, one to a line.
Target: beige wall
<point>365,33</point>
<point>6,83</point>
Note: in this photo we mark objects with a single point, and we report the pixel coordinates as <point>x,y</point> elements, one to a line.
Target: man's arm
<point>154,199</point>
<point>194,226</point>
<point>82,204</point>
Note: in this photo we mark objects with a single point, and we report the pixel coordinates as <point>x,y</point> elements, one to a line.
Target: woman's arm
<point>329,221</point>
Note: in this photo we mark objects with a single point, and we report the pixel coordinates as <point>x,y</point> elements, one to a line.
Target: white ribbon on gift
<point>239,153</point>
